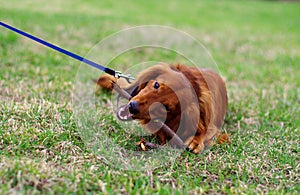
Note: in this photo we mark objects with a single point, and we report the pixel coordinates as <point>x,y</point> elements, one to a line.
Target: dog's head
<point>159,92</point>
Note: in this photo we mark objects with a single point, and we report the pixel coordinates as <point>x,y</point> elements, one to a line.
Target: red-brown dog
<point>191,101</point>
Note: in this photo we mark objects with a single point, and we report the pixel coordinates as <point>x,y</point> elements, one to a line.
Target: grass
<point>256,45</point>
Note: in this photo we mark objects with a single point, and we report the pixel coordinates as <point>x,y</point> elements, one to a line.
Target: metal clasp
<point>129,78</point>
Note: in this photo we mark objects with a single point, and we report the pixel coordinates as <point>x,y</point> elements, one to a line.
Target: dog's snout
<point>133,107</point>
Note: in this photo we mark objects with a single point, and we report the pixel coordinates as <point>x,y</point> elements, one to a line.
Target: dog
<point>192,102</point>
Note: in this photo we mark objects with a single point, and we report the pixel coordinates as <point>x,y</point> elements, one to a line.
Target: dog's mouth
<point>123,113</point>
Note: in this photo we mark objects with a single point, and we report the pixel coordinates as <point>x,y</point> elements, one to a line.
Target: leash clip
<point>129,78</point>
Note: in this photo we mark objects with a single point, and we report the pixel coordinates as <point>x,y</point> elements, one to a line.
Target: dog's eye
<point>156,85</point>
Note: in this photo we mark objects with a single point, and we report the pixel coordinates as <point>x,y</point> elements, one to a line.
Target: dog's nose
<point>133,107</point>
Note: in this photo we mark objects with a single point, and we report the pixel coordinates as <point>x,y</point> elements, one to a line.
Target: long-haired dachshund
<point>190,101</point>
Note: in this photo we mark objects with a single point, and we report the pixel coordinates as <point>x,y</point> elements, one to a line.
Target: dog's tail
<point>106,82</point>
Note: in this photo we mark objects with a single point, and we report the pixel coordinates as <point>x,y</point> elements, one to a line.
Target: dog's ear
<point>205,103</point>
<point>195,118</point>
<point>205,98</point>
<point>190,119</point>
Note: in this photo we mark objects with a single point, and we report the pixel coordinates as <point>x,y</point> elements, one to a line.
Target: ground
<point>256,45</point>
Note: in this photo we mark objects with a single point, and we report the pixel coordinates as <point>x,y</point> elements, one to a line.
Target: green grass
<point>256,45</point>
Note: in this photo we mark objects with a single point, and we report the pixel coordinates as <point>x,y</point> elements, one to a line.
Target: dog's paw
<point>145,146</point>
<point>193,145</point>
<point>141,144</point>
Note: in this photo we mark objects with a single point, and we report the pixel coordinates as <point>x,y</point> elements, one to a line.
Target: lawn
<point>256,45</point>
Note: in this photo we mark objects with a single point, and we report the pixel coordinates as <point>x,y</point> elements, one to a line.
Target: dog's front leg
<point>195,143</point>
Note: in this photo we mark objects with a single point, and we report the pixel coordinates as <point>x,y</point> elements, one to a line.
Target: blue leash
<point>112,72</point>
